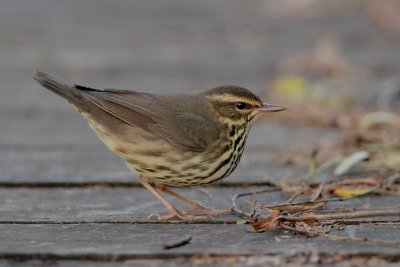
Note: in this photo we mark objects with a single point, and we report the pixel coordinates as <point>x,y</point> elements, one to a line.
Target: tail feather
<point>70,93</point>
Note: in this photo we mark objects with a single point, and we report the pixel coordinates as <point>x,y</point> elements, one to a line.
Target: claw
<point>190,215</point>
<point>151,215</point>
<point>207,212</point>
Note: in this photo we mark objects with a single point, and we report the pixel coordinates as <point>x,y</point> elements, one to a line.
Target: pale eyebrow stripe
<point>228,98</point>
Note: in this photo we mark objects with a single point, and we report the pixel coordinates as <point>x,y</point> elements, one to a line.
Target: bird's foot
<point>177,214</point>
<point>199,209</point>
<point>196,214</point>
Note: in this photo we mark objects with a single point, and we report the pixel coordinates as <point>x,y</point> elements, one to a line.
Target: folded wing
<point>187,130</point>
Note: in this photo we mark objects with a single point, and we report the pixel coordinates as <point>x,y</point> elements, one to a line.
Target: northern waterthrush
<point>176,140</point>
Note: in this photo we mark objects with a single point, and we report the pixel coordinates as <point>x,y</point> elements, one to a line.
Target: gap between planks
<point>120,257</point>
<point>38,222</point>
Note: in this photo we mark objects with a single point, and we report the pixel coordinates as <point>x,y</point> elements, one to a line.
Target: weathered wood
<point>134,204</point>
<point>183,261</point>
<point>101,204</point>
<point>275,260</point>
<point>64,164</point>
<point>167,47</point>
<point>123,241</point>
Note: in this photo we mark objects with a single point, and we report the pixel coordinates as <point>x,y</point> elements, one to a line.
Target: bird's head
<point>236,105</point>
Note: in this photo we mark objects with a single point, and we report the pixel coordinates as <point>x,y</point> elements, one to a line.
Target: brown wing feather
<point>184,130</point>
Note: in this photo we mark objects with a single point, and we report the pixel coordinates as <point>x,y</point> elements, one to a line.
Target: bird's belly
<point>148,155</point>
<point>188,169</point>
<point>162,163</point>
<point>158,160</point>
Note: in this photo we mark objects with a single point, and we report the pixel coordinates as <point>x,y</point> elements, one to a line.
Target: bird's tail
<point>70,93</point>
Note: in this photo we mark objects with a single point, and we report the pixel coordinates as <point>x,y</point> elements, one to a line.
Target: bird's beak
<point>271,108</point>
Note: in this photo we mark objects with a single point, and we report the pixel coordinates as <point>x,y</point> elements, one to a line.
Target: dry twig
<point>177,243</point>
<point>305,217</point>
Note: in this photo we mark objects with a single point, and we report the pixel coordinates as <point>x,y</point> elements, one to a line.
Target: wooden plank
<point>68,164</point>
<point>209,261</point>
<point>58,205</point>
<point>45,127</point>
<point>101,204</point>
<point>127,263</point>
<point>130,241</point>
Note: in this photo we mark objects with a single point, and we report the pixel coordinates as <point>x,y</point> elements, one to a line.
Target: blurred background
<point>178,45</point>
<point>335,56</point>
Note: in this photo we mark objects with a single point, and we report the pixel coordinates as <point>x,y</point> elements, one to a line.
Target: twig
<point>300,231</point>
<point>235,197</point>
<point>241,213</point>
<point>177,243</point>
<point>318,192</point>
<point>391,179</point>
<point>236,210</point>
<point>365,239</point>
<point>313,204</point>
<point>314,170</point>
<point>293,207</point>
<point>387,181</point>
<point>343,215</point>
<point>364,180</point>
<point>310,233</point>
<point>293,197</point>
<point>396,207</point>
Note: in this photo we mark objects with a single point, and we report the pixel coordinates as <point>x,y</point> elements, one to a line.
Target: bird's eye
<point>240,105</point>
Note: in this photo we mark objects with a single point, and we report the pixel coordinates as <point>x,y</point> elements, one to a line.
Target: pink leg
<point>174,212</point>
<point>197,207</point>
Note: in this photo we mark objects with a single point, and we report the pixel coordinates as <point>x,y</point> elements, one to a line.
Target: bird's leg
<point>197,207</point>
<point>174,212</point>
<point>194,204</point>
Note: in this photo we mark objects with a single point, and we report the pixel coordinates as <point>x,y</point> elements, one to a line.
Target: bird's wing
<point>186,130</point>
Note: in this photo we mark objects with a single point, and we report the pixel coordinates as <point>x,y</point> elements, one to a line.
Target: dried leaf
<point>291,87</point>
<point>241,222</point>
<point>266,223</point>
<point>379,117</point>
<point>393,159</point>
<point>350,161</point>
<point>349,192</point>
<point>299,207</point>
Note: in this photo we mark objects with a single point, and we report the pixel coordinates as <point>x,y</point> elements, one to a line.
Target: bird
<point>170,140</point>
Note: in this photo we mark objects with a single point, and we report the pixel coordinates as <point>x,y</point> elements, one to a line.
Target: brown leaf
<point>266,223</point>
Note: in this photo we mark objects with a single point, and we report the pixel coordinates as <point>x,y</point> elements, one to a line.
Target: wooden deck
<point>65,203</point>
<point>65,200</point>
